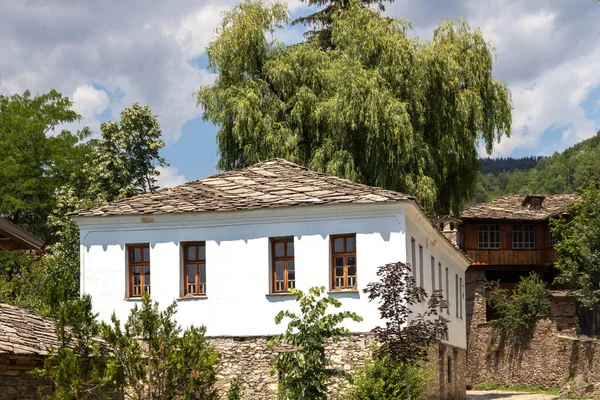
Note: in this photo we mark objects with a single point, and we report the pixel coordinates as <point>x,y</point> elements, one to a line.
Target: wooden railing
<point>513,257</point>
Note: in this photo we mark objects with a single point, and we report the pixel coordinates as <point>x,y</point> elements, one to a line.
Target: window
<point>489,236</point>
<point>553,239</point>
<point>343,261</point>
<point>460,297</point>
<point>440,282</point>
<point>139,269</point>
<point>413,254</point>
<point>432,274</point>
<point>421,267</point>
<point>282,265</point>
<point>194,268</point>
<point>447,294</point>
<point>523,236</point>
<point>456,292</point>
<point>449,369</point>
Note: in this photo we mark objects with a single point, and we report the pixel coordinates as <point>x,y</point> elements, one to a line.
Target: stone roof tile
<point>512,207</point>
<point>268,184</point>
<point>24,333</point>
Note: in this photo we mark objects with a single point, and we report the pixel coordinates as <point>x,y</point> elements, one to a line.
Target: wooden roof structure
<point>25,333</point>
<point>14,238</point>
<point>517,207</point>
<point>269,184</point>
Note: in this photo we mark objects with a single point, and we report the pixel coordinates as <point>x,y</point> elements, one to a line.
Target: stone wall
<point>16,381</point>
<point>547,356</point>
<point>249,358</point>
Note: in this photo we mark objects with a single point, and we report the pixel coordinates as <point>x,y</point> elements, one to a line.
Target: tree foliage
<point>381,107</point>
<point>306,370</point>
<point>33,161</point>
<point>518,309</point>
<point>381,379</point>
<point>159,360</point>
<point>405,338</point>
<point>579,248</point>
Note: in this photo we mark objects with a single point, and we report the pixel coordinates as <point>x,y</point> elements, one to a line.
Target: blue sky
<point>107,55</point>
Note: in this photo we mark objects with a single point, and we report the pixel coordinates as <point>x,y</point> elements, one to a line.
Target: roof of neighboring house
<point>14,238</point>
<point>25,333</point>
<point>514,207</point>
<point>268,184</point>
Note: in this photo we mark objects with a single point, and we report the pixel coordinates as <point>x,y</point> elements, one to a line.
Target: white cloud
<point>89,102</point>
<point>169,177</point>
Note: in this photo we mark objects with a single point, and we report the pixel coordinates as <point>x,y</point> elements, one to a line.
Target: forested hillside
<point>565,172</point>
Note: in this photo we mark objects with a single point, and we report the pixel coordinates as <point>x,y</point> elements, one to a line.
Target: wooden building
<point>14,238</point>
<point>509,237</point>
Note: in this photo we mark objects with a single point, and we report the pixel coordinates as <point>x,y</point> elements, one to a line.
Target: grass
<point>527,389</point>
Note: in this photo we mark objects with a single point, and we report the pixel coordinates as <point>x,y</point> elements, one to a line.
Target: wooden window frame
<point>200,287</point>
<point>421,268</point>
<point>345,254</point>
<point>488,243</point>
<point>131,264</point>
<point>286,258</point>
<point>521,243</point>
<point>413,251</point>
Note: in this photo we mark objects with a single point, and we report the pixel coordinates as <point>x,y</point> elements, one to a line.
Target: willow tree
<point>380,107</point>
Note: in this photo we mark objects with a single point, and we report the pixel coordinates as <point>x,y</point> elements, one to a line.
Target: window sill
<point>280,295</point>
<point>343,291</point>
<point>133,299</point>
<point>193,297</point>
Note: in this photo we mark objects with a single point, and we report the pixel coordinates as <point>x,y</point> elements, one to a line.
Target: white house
<point>227,248</point>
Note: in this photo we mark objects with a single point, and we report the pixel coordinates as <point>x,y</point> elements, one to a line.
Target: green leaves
<point>305,369</point>
<point>159,360</point>
<point>376,105</point>
<point>579,248</point>
<point>518,310</point>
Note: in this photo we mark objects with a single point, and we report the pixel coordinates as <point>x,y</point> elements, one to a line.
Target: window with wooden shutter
<point>194,269</point>
<point>138,269</point>
<point>343,262</point>
<point>283,268</point>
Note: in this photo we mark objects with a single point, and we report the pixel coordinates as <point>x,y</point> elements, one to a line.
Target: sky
<point>106,55</point>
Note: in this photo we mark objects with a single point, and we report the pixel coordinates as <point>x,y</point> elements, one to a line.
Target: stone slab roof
<point>25,333</point>
<point>268,184</point>
<point>512,207</point>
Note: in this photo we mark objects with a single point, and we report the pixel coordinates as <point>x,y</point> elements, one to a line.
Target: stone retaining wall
<point>249,358</point>
<point>547,356</point>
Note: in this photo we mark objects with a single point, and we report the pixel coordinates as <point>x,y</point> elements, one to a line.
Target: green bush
<point>381,379</point>
<point>235,390</point>
<point>520,308</point>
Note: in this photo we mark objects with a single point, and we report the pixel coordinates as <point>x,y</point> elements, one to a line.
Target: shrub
<point>520,308</point>
<point>382,379</point>
<point>235,390</point>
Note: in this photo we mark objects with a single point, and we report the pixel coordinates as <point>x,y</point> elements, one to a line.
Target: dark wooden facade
<point>542,254</point>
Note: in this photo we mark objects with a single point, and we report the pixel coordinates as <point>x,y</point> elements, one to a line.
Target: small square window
<point>138,269</point>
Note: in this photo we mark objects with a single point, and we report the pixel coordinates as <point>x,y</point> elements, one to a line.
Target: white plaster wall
<point>238,268</point>
<point>421,231</point>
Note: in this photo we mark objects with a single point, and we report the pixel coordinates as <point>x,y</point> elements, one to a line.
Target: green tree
<point>579,248</point>
<point>132,146</point>
<point>158,359</point>
<point>306,370</point>
<point>381,107</point>
<point>518,309</point>
<point>33,162</point>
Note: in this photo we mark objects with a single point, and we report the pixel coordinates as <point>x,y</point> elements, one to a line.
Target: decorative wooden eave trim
<point>26,240</point>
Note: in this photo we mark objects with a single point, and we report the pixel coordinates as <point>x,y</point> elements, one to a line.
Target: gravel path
<point>494,394</point>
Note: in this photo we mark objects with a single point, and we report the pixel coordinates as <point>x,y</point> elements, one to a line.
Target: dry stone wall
<point>548,356</point>
<point>249,358</point>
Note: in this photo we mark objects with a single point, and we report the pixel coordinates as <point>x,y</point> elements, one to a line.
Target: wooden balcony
<point>513,257</point>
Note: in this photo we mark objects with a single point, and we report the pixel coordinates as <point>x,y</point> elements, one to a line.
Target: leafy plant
<point>579,248</point>
<point>158,360</point>
<point>382,379</point>
<point>235,390</point>
<point>306,369</point>
<point>520,308</point>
